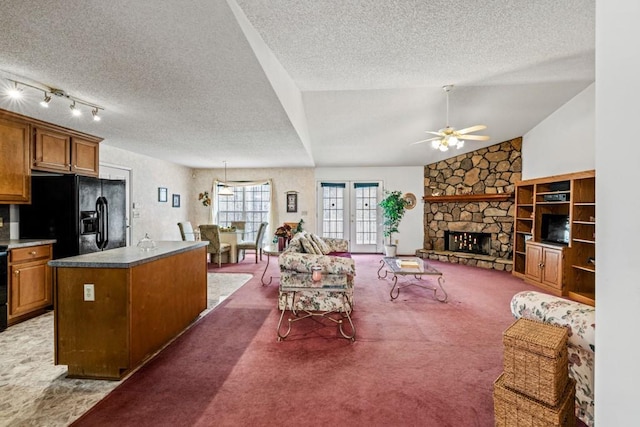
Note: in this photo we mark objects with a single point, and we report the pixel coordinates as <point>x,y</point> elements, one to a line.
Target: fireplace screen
<point>475,243</point>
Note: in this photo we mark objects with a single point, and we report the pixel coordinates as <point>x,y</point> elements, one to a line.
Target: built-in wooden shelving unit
<point>574,196</point>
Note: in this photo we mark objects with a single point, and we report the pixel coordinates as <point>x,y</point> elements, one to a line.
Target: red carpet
<point>415,362</point>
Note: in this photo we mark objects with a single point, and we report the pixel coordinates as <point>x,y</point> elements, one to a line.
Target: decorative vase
<point>281,244</point>
<point>390,250</point>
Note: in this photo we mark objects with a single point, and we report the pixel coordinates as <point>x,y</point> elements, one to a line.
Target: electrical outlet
<point>89,292</point>
<point>397,241</point>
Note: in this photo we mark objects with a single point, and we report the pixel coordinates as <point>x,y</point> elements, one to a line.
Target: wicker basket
<point>535,360</point>
<point>514,409</point>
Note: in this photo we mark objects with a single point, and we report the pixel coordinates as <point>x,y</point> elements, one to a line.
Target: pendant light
<point>225,191</point>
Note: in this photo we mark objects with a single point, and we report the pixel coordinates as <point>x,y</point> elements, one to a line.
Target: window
<point>249,204</point>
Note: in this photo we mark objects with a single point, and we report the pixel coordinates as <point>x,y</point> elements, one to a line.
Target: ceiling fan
<point>450,137</point>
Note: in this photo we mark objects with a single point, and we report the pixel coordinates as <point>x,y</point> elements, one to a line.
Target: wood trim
<point>554,178</point>
<point>468,198</point>
<point>50,126</point>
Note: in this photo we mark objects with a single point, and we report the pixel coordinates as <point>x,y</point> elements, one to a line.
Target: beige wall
<point>157,219</point>
<point>289,179</point>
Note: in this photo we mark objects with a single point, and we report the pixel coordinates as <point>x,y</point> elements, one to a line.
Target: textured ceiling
<point>293,84</point>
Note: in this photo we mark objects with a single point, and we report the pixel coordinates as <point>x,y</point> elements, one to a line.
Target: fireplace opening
<point>474,243</point>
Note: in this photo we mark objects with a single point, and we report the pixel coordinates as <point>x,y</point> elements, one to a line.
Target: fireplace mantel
<point>496,197</point>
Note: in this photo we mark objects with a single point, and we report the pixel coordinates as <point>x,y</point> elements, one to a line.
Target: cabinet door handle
<point>17,272</point>
<point>33,253</point>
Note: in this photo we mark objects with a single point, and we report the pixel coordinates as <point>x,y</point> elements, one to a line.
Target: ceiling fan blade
<point>471,129</point>
<point>434,133</point>
<point>474,137</point>
<point>425,140</point>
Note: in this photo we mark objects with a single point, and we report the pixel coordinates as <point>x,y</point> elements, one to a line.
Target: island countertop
<point>126,257</point>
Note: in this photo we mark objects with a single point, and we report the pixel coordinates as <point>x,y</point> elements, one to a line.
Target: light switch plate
<point>89,292</point>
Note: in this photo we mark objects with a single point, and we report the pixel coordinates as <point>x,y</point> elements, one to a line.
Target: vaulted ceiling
<point>288,83</point>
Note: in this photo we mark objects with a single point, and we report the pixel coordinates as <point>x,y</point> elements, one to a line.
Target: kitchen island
<point>115,309</point>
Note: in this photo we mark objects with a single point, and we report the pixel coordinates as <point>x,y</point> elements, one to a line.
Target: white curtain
<point>213,212</point>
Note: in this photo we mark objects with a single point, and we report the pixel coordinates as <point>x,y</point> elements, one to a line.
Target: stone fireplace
<point>468,210</point>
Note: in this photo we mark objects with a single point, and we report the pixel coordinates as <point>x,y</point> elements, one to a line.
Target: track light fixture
<point>15,91</point>
<point>74,111</point>
<point>45,101</point>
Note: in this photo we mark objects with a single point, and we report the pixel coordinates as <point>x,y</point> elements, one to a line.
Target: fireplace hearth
<point>474,243</point>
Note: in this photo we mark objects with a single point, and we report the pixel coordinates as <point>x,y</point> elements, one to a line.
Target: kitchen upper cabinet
<point>52,151</point>
<point>85,157</point>
<point>56,151</point>
<point>15,165</point>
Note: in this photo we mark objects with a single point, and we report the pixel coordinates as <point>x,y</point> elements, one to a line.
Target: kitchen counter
<point>127,257</point>
<point>24,243</point>
<point>114,309</point>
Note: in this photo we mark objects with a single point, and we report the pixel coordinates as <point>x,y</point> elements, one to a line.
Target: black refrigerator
<point>84,214</point>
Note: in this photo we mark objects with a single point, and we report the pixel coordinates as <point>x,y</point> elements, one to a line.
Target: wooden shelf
<point>468,198</point>
<point>588,298</point>
<point>584,222</point>
<point>585,241</point>
<point>553,203</point>
<point>584,204</point>
<point>588,268</point>
<point>525,219</point>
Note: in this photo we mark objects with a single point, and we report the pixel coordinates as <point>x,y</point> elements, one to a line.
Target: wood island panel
<point>136,312</point>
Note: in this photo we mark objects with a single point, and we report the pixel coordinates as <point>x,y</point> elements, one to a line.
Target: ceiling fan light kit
<point>449,137</point>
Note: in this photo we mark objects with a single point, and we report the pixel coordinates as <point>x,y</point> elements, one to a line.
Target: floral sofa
<point>306,250</point>
<point>580,320</point>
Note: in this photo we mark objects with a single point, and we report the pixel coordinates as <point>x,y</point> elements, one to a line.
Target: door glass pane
<point>333,212</point>
<point>366,221</point>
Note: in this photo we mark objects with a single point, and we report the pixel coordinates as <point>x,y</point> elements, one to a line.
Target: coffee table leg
<point>395,287</point>
<point>380,269</point>
<point>435,290</point>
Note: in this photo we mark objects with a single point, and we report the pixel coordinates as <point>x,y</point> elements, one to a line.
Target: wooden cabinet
<point>58,151</point>
<point>545,266</point>
<point>569,196</point>
<point>30,291</point>
<point>15,165</point>
<point>52,150</point>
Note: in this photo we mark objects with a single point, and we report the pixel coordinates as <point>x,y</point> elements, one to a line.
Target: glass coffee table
<point>407,267</point>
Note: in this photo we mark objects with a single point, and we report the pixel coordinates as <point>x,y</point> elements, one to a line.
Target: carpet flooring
<point>415,361</point>
<point>35,392</point>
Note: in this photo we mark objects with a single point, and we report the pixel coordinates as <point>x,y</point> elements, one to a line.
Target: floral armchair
<point>580,320</point>
<point>295,270</point>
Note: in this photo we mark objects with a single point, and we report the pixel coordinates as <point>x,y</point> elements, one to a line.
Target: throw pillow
<point>306,245</point>
<point>322,245</point>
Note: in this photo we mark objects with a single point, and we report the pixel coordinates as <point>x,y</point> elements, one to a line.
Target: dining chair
<point>186,231</point>
<point>239,226</point>
<point>254,245</point>
<point>211,233</point>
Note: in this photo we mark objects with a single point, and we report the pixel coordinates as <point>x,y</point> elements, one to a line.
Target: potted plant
<point>393,209</point>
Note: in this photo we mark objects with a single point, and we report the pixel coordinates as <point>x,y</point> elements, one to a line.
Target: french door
<point>349,210</point>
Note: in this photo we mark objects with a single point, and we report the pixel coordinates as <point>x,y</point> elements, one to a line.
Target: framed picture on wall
<point>176,201</point>
<point>292,202</point>
<point>162,194</point>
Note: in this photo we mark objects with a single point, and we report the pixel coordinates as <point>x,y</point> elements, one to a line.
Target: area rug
<point>415,361</point>
<point>35,392</point>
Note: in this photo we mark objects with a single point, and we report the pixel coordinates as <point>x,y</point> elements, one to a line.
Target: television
<point>555,229</point>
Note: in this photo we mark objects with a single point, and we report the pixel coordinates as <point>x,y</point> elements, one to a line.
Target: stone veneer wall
<point>491,170</point>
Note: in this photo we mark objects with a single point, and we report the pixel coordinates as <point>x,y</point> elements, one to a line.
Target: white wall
<point>564,142</point>
<point>617,373</point>
<point>408,179</point>
<point>157,219</point>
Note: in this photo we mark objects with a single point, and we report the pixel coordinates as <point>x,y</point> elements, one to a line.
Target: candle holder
<point>316,273</point>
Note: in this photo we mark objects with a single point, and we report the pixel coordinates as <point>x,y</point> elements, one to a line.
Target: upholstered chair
<point>211,233</point>
<point>239,226</point>
<point>254,245</point>
<point>186,231</point>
